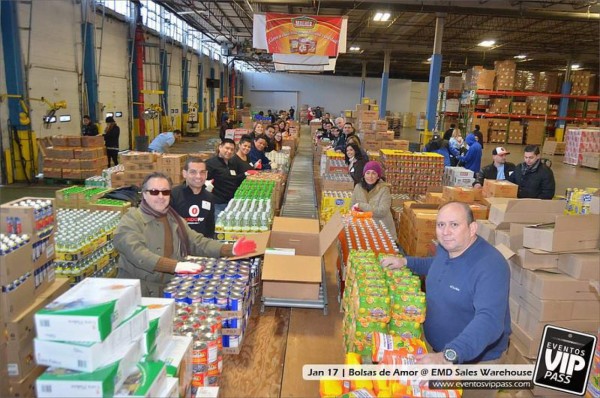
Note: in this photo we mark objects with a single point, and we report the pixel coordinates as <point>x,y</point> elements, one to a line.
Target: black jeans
<point>112,154</point>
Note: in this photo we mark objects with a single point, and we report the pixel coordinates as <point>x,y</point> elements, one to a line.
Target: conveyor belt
<point>300,197</point>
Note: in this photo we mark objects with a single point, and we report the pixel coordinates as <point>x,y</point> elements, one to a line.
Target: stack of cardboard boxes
<point>549,82</point>
<point>518,108</point>
<point>453,83</point>
<point>526,80</point>
<point>580,140</point>
<point>515,132</point>
<point>28,282</point>
<point>172,165</point>
<point>478,78</point>
<point>416,229</point>
<point>497,130</point>
<point>552,147</point>
<point>583,82</point>
<point>538,105</point>
<point>137,165</point>
<point>500,105</point>
<point>505,75</point>
<point>535,133</point>
<point>75,157</point>
<point>117,347</point>
<point>458,177</point>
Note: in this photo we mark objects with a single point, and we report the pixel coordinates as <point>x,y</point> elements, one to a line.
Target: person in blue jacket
<point>472,158</point>
<point>257,154</point>
<point>441,146</point>
<point>467,290</point>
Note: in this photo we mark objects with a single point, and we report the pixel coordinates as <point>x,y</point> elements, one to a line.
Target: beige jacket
<point>378,201</point>
<point>140,238</point>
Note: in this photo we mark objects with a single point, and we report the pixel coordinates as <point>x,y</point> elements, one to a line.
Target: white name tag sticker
<point>205,205</point>
<point>232,172</point>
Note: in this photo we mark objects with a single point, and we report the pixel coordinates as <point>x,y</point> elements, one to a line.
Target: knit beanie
<point>373,166</point>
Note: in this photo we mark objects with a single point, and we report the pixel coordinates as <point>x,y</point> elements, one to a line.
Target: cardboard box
<point>25,387</point>
<point>291,277</point>
<point>16,264</point>
<point>525,211</point>
<point>458,194</point>
<point>178,359</point>
<point>88,153</point>
<point>161,312</point>
<point>487,230</point>
<point>537,259</point>
<point>22,326</point>
<point>110,302</point>
<point>105,382</point>
<point>303,235</point>
<point>17,300</point>
<point>567,233</point>
<point>20,359</point>
<point>384,136</point>
<point>499,189</point>
<point>88,357</point>
<point>92,141</point>
<point>171,389</point>
<point>59,152</point>
<point>580,266</point>
<point>551,286</point>
<point>146,381</point>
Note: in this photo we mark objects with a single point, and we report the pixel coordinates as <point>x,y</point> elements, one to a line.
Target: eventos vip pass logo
<point>564,360</point>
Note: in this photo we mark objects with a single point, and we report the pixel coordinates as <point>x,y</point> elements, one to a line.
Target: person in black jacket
<point>89,128</point>
<point>111,140</point>
<point>500,169</point>
<point>226,125</point>
<point>355,161</point>
<point>192,201</point>
<point>227,175</point>
<point>448,133</point>
<point>535,179</point>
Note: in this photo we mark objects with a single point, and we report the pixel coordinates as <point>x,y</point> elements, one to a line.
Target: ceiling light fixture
<point>575,66</point>
<point>521,56</point>
<point>354,48</point>
<point>487,43</point>
<point>456,72</point>
<point>382,16</point>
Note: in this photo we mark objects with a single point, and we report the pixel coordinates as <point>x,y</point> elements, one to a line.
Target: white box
<point>178,358</point>
<point>87,357</point>
<point>89,311</point>
<point>61,383</point>
<point>147,380</point>
<point>161,312</point>
<point>171,389</point>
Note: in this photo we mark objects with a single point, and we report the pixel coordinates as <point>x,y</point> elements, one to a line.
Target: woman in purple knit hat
<point>374,195</point>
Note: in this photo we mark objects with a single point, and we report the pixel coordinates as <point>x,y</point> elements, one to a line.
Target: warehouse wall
<point>335,93</point>
<point>55,60</point>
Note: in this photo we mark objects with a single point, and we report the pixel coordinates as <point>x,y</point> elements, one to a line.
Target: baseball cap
<point>500,151</point>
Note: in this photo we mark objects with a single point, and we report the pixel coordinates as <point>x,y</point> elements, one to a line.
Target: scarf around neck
<point>527,170</point>
<point>181,231</point>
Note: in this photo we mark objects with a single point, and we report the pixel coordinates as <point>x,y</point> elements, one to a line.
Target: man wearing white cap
<point>500,169</point>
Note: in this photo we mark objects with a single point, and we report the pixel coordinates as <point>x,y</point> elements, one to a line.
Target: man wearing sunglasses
<point>153,240</point>
<point>192,201</point>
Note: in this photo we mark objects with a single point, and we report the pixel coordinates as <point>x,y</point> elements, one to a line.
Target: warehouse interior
<point>157,66</point>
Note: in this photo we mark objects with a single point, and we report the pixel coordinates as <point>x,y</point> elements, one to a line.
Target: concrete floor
<point>566,176</point>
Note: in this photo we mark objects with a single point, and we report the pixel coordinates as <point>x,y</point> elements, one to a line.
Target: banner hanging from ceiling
<point>300,34</point>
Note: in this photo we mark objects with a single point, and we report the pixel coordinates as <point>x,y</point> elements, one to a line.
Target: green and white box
<point>147,380</point>
<point>178,357</point>
<point>103,383</point>
<point>89,311</point>
<point>161,314</point>
<point>87,357</point>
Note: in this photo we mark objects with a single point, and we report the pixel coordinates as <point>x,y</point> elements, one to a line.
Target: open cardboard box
<point>564,233</point>
<point>299,276</point>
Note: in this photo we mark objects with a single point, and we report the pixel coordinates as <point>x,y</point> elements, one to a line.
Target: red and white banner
<point>300,34</point>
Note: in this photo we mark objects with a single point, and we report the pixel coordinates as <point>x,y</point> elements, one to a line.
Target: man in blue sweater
<point>468,319</point>
<point>472,159</point>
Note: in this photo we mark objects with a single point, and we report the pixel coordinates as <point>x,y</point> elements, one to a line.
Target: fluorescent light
<point>354,48</point>
<point>521,56</point>
<point>487,43</point>
<point>575,66</point>
<point>382,16</point>
<point>429,59</point>
<point>456,72</point>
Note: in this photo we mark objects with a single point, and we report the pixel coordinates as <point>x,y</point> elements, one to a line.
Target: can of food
<point>181,297</point>
<point>232,323</point>
<point>232,275</point>
<point>197,289</point>
<point>176,280</point>
<point>170,291</point>
<point>197,308</point>
<point>211,307</point>
<point>199,353</point>
<point>213,324</point>
<point>235,301</point>
<point>185,286</point>
<point>231,341</point>
<point>186,329</point>
<point>223,289</point>
<point>194,297</point>
<point>213,368</point>
<point>206,274</point>
<point>212,381</point>
<point>208,298</point>
<point>221,300</point>
<point>212,346</point>
<point>195,322</point>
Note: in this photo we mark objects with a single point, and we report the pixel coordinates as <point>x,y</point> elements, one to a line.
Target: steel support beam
<point>88,32</point>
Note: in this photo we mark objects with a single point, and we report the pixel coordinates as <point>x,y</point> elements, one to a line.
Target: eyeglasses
<point>196,172</point>
<point>155,192</point>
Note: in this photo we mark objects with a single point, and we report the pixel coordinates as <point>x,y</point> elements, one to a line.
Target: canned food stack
<point>97,182</point>
<point>255,189</point>
<point>78,197</point>
<point>366,234</point>
<point>412,173</point>
<point>110,349</point>
<point>279,187</point>
<point>281,159</point>
<point>84,244</point>
<point>332,201</point>
<point>337,182</point>
<point>578,201</point>
<point>114,176</point>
